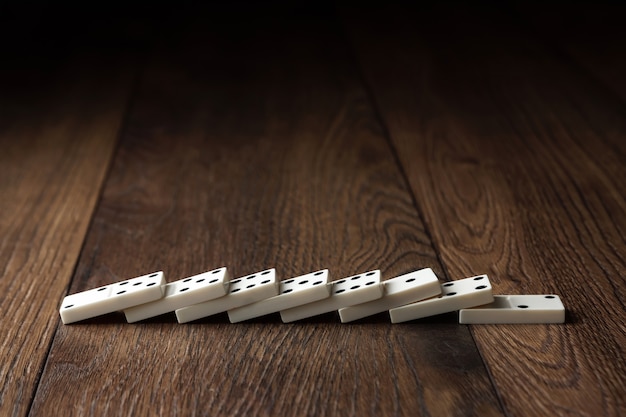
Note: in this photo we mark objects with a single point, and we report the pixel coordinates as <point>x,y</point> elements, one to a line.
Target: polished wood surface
<point>57,136</point>
<point>301,138</point>
<point>513,177</point>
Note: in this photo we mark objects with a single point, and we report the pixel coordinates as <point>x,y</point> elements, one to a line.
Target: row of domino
<point>408,297</point>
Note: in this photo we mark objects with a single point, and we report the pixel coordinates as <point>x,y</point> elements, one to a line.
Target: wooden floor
<point>468,140</point>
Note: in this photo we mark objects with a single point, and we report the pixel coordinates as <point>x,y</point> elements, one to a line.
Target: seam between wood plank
<point>394,151</point>
<point>126,112</point>
<point>578,190</point>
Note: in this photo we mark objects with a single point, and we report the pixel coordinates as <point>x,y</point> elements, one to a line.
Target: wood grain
<point>517,163</point>
<point>58,130</point>
<point>252,145</point>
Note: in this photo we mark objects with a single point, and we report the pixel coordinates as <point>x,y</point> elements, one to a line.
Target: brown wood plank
<point>63,95</point>
<point>59,121</point>
<point>517,163</point>
<point>253,145</point>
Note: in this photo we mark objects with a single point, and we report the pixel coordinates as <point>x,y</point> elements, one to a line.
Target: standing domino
<point>344,293</point>
<point>293,292</point>
<point>405,289</point>
<point>243,291</point>
<point>455,295</point>
<point>110,298</point>
<point>183,293</point>
<point>516,309</point>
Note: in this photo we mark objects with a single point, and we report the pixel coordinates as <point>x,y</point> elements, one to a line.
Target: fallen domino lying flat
<point>343,293</point>
<point>293,292</point>
<point>455,295</point>
<point>518,309</point>
<point>243,291</point>
<point>111,298</point>
<point>405,289</point>
<point>182,293</point>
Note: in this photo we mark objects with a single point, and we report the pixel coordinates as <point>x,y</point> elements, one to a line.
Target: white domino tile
<point>242,291</point>
<point>405,289</point>
<point>343,293</point>
<point>455,295</point>
<point>183,293</point>
<point>540,308</point>
<point>292,293</point>
<point>113,297</point>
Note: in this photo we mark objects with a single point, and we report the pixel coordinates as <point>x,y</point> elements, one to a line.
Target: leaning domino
<point>343,293</point>
<point>455,295</point>
<point>405,289</point>
<point>183,293</point>
<point>518,309</point>
<point>242,291</point>
<point>111,298</point>
<point>292,293</point>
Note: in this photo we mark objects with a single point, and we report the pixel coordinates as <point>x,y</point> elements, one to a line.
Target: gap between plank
<point>387,135</point>
<point>132,89</point>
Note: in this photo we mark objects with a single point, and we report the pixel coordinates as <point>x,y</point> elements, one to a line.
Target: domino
<point>292,293</point>
<point>405,289</point>
<point>343,293</point>
<point>455,295</point>
<point>113,297</point>
<point>242,291</point>
<point>516,309</point>
<point>183,293</point>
